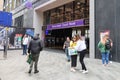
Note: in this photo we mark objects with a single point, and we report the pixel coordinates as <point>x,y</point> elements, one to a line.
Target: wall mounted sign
<point>69,24</point>
<point>5,19</point>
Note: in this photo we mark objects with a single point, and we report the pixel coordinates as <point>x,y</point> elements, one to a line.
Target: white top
<point>80,45</point>
<point>25,41</point>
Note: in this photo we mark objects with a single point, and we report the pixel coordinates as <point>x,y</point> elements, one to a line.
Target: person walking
<point>25,43</point>
<point>5,48</point>
<point>104,49</point>
<point>65,46</point>
<point>81,49</point>
<point>73,57</point>
<point>34,49</point>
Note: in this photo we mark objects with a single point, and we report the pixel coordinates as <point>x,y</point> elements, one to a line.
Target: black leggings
<point>81,58</point>
<point>73,60</point>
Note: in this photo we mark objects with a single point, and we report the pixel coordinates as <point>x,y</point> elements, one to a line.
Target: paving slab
<point>53,66</point>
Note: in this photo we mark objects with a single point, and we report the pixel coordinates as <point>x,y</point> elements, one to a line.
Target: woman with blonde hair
<point>81,49</point>
<point>73,57</point>
<point>104,52</point>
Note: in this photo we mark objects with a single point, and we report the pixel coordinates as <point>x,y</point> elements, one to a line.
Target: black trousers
<point>81,58</point>
<point>73,60</point>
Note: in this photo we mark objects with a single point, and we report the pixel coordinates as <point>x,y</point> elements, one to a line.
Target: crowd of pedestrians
<point>78,44</point>
<point>74,48</point>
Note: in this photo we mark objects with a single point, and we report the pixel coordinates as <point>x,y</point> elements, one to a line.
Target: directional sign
<point>5,19</point>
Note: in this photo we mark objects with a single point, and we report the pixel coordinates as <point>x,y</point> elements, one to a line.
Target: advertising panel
<point>14,36</point>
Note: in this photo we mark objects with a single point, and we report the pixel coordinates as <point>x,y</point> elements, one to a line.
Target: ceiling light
<point>78,2</point>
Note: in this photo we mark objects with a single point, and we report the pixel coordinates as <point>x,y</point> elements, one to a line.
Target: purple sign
<point>28,5</point>
<point>69,24</point>
<point>57,26</point>
<point>72,23</point>
<point>79,22</point>
<point>65,24</point>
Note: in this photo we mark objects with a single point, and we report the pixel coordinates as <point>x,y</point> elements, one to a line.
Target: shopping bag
<point>72,51</point>
<point>29,59</point>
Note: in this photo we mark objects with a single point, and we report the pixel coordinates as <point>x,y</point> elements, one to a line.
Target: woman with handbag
<point>73,56</point>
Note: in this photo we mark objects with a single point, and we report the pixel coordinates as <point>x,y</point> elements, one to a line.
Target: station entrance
<point>55,38</point>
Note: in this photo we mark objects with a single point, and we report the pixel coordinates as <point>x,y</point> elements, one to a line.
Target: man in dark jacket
<point>34,49</point>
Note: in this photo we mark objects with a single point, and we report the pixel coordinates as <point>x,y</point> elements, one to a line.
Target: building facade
<point>73,17</point>
<point>107,18</point>
<point>1,5</point>
<point>56,19</point>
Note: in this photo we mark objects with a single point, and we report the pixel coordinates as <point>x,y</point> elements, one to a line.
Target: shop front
<point>65,21</point>
<point>57,33</point>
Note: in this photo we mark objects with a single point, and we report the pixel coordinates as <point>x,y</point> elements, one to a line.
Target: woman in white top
<point>81,48</point>
<point>25,43</point>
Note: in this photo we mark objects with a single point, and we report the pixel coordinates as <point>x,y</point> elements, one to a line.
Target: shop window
<point>78,9</point>
<point>81,9</point>
<point>19,21</point>
<point>61,13</point>
<point>53,16</point>
<point>46,17</point>
<point>69,12</point>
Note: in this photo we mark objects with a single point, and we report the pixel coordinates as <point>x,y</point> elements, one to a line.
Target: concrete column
<point>38,22</point>
<point>92,28</point>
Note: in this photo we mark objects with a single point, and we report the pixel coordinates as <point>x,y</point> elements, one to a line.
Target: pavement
<point>54,66</point>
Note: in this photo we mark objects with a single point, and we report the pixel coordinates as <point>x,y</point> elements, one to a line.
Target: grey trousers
<point>35,58</point>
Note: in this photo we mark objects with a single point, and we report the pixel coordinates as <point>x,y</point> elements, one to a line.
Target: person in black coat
<point>34,49</point>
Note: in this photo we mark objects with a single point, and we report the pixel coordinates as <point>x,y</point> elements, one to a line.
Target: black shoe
<point>68,60</point>
<point>29,72</point>
<point>36,71</point>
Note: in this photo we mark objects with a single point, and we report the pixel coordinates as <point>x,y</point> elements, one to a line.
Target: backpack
<point>108,44</point>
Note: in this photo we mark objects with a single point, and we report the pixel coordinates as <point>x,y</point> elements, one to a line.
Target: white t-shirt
<point>80,45</point>
<point>25,41</point>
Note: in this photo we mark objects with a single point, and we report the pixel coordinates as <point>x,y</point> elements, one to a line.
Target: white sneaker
<point>111,62</point>
<point>81,70</point>
<point>85,72</point>
<point>73,70</point>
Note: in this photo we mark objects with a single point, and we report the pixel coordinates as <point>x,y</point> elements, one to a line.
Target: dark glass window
<point>19,21</point>
<point>68,12</point>
<point>46,17</point>
<point>78,9</point>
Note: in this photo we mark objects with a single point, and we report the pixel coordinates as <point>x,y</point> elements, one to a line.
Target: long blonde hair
<point>78,37</point>
<point>104,39</point>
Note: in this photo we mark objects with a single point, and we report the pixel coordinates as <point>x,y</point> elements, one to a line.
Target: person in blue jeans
<point>105,58</point>
<point>104,52</point>
<point>65,46</point>
<point>25,43</point>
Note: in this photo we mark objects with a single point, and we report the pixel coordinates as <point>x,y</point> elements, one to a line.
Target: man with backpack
<point>34,49</point>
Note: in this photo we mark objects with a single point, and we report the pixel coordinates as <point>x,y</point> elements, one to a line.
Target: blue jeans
<point>67,54</point>
<point>105,57</point>
<point>24,49</point>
